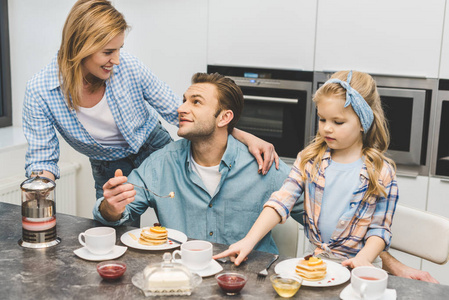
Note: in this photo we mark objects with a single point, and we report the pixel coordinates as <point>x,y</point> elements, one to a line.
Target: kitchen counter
<point>57,273</point>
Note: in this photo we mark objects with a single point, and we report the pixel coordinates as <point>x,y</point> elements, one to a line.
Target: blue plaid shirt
<point>134,94</point>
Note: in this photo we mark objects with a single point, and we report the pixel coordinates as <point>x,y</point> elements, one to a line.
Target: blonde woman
<point>349,185</point>
<point>103,102</point>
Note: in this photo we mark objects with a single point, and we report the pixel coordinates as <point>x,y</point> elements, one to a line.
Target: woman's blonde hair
<point>375,141</point>
<point>90,26</point>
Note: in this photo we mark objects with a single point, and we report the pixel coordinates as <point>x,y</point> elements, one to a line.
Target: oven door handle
<point>271,99</point>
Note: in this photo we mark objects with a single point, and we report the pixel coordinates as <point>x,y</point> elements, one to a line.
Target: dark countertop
<point>57,273</point>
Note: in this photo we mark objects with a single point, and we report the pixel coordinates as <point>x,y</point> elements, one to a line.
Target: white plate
<point>87,255</point>
<point>129,241</point>
<point>212,268</point>
<point>336,273</point>
<point>348,293</point>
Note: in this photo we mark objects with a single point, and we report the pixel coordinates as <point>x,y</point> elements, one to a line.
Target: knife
<point>173,240</point>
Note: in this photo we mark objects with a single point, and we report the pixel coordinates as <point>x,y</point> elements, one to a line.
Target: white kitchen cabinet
<point>381,37</point>
<point>438,197</point>
<point>412,191</point>
<point>169,36</point>
<point>262,33</point>
<point>444,64</point>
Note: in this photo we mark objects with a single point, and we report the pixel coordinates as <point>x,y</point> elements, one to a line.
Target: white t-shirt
<point>100,124</point>
<point>209,175</point>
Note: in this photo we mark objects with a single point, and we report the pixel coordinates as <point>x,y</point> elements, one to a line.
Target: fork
<point>262,274</point>
<point>170,195</point>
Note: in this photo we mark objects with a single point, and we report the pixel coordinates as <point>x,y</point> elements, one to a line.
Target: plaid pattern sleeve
<point>284,199</point>
<point>382,218</point>
<point>43,150</point>
<point>135,96</point>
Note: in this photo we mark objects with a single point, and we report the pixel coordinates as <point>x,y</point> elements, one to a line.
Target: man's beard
<point>199,134</point>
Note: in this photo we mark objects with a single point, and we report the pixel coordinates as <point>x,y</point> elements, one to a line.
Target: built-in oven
<point>407,103</point>
<point>440,152</point>
<point>277,105</point>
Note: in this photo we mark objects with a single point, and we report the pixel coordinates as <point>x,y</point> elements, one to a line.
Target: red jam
<point>111,271</point>
<point>231,283</point>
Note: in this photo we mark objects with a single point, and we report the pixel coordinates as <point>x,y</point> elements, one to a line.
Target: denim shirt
<point>135,96</point>
<point>224,218</point>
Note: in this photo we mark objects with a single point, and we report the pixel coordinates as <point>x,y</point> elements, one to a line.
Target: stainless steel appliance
<point>277,105</point>
<point>440,151</point>
<point>408,106</point>
<point>38,213</point>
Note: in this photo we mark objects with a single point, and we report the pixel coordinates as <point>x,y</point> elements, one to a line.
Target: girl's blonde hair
<point>90,26</point>
<point>375,141</point>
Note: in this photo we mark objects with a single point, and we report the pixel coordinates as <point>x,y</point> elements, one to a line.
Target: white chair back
<point>421,233</point>
<point>286,237</point>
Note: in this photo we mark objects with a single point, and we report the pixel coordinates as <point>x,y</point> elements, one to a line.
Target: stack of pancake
<point>313,269</point>
<point>152,236</point>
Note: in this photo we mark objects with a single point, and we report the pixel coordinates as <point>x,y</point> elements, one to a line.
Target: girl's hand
<point>237,252</point>
<point>356,262</point>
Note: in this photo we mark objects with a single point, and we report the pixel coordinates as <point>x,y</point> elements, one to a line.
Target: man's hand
<point>409,272</point>
<point>237,252</point>
<point>116,196</point>
<point>395,267</point>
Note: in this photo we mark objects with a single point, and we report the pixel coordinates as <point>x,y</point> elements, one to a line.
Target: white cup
<point>98,240</point>
<point>195,255</point>
<point>369,282</point>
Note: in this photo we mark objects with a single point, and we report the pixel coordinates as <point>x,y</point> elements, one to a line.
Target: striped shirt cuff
<point>279,207</point>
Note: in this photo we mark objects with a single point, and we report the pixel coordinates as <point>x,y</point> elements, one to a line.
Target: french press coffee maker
<point>38,213</point>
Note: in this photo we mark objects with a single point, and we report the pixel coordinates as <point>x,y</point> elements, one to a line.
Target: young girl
<point>349,184</point>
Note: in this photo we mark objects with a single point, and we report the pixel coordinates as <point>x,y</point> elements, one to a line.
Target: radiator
<point>10,191</point>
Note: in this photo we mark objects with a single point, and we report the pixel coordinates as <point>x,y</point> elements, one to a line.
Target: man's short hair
<point>230,95</point>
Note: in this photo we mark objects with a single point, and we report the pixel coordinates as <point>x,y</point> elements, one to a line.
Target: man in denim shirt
<point>217,194</point>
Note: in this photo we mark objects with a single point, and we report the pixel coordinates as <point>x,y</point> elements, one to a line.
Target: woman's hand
<point>237,252</point>
<point>263,152</point>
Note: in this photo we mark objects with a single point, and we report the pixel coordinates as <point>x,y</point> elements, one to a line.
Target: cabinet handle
<point>407,174</point>
<point>270,99</point>
<point>444,180</point>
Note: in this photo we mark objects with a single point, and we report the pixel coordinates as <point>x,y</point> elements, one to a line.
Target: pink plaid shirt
<point>362,219</point>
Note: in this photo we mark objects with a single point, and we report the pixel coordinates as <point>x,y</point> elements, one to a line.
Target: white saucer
<point>213,268</point>
<point>349,294</point>
<point>87,255</point>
